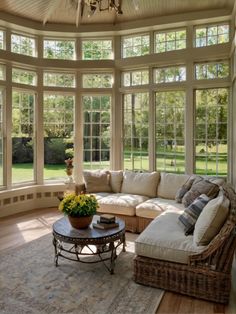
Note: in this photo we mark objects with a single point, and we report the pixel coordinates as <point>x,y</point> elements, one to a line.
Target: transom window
<point>170,74</point>
<point>59,49</point>
<point>2,72</point>
<point>97,49</point>
<point>135,46</point>
<point>59,79</point>
<point>134,78</point>
<point>211,70</point>
<point>170,143</point>
<point>2,39</point>
<point>135,133</point>
<point>23,45</point>
<point>97,80</point>
<point>97,133</point>
<point>211,131</point>
<point>24,76</point>
<point>211,35</point>
<point>170,40</point>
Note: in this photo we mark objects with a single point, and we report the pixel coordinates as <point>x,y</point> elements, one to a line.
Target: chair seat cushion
<point>156,206</point>
<point>120,203</point>
<point>164,239</point>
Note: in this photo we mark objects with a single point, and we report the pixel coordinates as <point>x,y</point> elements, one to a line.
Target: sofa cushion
<point>100,195</point>
<point>184,189</point>
<point>200,187</point>
<point>97,181</point>
<point>140,183</point>
<point>116,178</point>
<point>119,203</point>
<point>156,206</point>
<point>169,184</point>
<point>190,215</point>
<point>211,220</point>
<point>164,239</point>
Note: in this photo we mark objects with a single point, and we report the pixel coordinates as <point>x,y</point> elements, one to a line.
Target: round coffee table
<point>73,244</point>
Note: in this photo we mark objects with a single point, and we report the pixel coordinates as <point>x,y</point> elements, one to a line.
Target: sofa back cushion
<point>140,183</point>
<point>211,220</point>
<point>200,186</point>
<point>170,184</point>
<point>116,178</point>
<point>97,181</point>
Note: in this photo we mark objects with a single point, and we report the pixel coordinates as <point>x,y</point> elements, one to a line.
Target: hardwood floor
<point>22,228</point>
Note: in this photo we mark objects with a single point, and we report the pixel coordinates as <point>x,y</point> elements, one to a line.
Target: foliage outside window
<point>58,116</point>
<point>211,35</point>
<point>59,49</point>
<point>170,143</point>
<point>23,140</point>
<point>1,138</point>
<point>24,76</point>
<point>211,70</point>
<point>2,43</point>
<point>170,74</point>
<point>97,49</point>
<point>97,80</point>
<point>23,45</point>
<point>170,40</point>
<point>136,125</point>
<point>134,78</point>
<point>97,133</point>
<point>135,46</point>
<point>2,72</point>
<point>211,131</point>
<point>59,79</point>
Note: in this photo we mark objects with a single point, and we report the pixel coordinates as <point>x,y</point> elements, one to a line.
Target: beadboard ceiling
<point>60,11</point>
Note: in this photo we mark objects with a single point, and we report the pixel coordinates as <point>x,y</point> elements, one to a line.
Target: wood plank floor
<point>22,228</point>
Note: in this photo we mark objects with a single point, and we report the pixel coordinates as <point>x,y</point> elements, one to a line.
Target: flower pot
<point>80,222</point>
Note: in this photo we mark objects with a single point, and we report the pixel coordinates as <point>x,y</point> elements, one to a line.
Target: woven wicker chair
<point>207,275</point>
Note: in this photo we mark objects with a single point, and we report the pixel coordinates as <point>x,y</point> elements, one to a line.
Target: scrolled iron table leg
<point>54,241</point>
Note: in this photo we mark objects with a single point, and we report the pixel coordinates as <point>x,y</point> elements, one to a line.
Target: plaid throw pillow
<point>192,212</point>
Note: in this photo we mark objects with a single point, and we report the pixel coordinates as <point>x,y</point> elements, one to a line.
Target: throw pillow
<point>184,189</point>
<point>169,184</point>
<point>198,188</point>
<point>211,220</point>
<point>116,179</point>
<point>97,181</point>
<point>190,215</point>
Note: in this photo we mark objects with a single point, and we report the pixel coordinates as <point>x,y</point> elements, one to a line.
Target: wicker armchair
<point>207,275</point>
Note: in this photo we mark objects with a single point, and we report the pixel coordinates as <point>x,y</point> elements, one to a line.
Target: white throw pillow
<point>211,220</point>
<point>97,181</point>
<point>116,179</point>
<point>140,183</point>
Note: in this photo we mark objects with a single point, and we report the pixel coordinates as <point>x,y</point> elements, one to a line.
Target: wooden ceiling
<point>61,11</point>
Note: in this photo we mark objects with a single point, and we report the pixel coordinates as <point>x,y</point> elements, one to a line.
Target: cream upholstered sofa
<point>137,198</point>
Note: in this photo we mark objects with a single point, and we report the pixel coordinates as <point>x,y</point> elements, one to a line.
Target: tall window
<point>170,145</point>
<point>135,46</point>
<point>211,70</point>
<point>59,79</point>
<point>96,80</point>
<point>23,45</point>
<point>135,148</point>
<point>134,78</point>
<point>211,35</point>
<point>211,131</point>
<point>58,134</point>
<point>170,40</point>
<point>59,49</point>
<point>24,76</point>
<point>97,116</point>
<point>23,140</point>
<point>97,49</point>
<point>1,137</point>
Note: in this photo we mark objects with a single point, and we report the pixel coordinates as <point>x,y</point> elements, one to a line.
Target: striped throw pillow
<point>190,215</point>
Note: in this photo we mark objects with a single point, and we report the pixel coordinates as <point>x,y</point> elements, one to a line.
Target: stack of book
<point>106,221</point>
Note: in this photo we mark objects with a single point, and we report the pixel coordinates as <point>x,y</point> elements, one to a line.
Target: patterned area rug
<point>30,283</point>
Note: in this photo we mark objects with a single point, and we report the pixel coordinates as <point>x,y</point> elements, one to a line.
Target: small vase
<point>80,222</point>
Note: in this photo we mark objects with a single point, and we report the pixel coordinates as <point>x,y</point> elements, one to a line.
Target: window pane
<point>134,46</point>
<point>24,76</point>
<point>23,139</point>
<point>97,80</point>
<point>170,40</point>
<point>97,49</point>
<point>170,74</point>
<point>59,79</point>
<point>212,70</point>
<point>23,45</point>
<point>211,131</point>
<point>1,137</point>
<point>97,113</point>
<point>170,143</point>
<point>2,39</point>
<point>2,72</point>
<point>58,134</point>
<point>59,49</point>
<point>211,35</point>
<point>134,78</point>
<point>136,127</point>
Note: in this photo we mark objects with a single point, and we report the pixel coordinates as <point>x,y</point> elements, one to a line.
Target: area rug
<point>30,283</point>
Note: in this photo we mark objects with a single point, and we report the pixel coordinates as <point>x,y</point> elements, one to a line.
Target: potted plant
<point>79,209</point>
